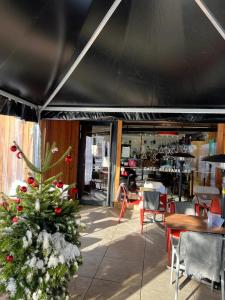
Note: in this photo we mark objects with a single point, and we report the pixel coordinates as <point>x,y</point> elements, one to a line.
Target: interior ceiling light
<point>167,133</point>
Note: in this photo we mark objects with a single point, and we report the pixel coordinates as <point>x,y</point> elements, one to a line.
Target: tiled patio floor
<point>120,263</point>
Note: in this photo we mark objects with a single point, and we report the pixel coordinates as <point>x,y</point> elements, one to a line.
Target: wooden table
<point>183,222</point>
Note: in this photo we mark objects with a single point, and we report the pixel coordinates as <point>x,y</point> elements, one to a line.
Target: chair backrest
<point>151,200</point>
<point>202,254</point>
<point>183,207</point>
<point>215,206</point>
<point>163,201</point>
<point>201,189</point>
<point>155,185</point>
<point>121,192</point>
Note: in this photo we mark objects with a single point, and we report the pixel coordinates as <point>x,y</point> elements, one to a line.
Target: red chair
<point>215,207</point>
<point>160,207</point>
<point>126,201</point>
<point>200,206</point>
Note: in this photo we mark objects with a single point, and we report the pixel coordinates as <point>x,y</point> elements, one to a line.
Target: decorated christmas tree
<point>39,231</point>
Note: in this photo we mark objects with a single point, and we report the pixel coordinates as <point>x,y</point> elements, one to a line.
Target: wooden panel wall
<point>220,150</point>
<point>118,158</point>
<point>65,134</point>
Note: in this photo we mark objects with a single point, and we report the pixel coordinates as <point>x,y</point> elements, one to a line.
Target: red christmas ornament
<point>23,189</point>
<point>17,200</point>
<point>59,184</point>
<point>74,190</point>
<point>58,211</point>
<point>13,148</point>
<point>9,258</point>
<point>18,155</point>
<point>4,204</point>
<point>35,184</point>
<point>19,208</point>
<point>15,219</point>
<point>30,180</point>
<point>68,159</point>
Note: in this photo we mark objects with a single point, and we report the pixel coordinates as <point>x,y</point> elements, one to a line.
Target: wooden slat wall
<point>220,150</point>
<point>65,134</point>
<point>12,168</point>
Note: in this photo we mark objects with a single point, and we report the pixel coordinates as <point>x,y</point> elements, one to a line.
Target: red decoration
<point>15,219</point>
<point>68,159</point>
<point>124,174</point>
<point>58,211</point>
<point>18,155</point>
<point>59,184</point>
<point>9,258</point>
<point>13,148</point>
<point>35,184</point>
<point>19,208</point>
<point>55,182</point>
<point>23,189</point>
<point>30,180</point>
<point>17,200</point>
<point>74,190</point>
<point>4,204</point>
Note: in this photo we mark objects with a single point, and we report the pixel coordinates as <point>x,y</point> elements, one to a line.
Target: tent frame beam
<point>17,99</point>
<point>82,53</point>
<point>164,110</point>
<point>211,18</point>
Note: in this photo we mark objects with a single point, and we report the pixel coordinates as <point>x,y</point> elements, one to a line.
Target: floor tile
<point>120,270</point>
<point>78,287</point>
<point>107,290</point>
<point>90,265</point>
<point>129,247</point>
<point>95,247</point>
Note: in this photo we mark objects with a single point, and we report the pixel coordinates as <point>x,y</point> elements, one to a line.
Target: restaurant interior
<point>136,88</point>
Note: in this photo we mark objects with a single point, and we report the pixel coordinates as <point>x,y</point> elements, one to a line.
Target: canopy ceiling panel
<point>150,54</point>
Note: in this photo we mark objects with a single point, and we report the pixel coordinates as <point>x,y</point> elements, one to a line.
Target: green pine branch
<point>28,162</point>
<point>58,161</point>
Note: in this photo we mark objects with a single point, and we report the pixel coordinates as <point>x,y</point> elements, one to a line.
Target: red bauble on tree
<point>17,200</point>
<point>74,190</point>
<point>59,184</point>
<point>58,211</point>
<point>9,258</point>
<point>68,159</point>
<point>19,208</point>
<point>4,204</point>
<point>13,148</point>
<point>19,155</point>
<point>15,219</point>
<point>23,189</point>
<point>35,184</point>
<point>30,180</point>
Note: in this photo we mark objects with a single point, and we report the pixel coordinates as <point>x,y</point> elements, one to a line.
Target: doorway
<point>95,154</point>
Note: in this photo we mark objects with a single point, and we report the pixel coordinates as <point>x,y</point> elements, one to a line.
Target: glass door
<point>95,168</point>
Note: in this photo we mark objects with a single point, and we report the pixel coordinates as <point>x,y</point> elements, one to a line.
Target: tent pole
<point>83,52</point>
<point>17,99</point>
<point>137,109</point>
<point>211,18</point>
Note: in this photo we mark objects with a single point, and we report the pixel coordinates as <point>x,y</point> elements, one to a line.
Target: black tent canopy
<point>148,59</point>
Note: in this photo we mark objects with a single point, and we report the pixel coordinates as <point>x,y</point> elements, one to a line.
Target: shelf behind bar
<point>159,170</point>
